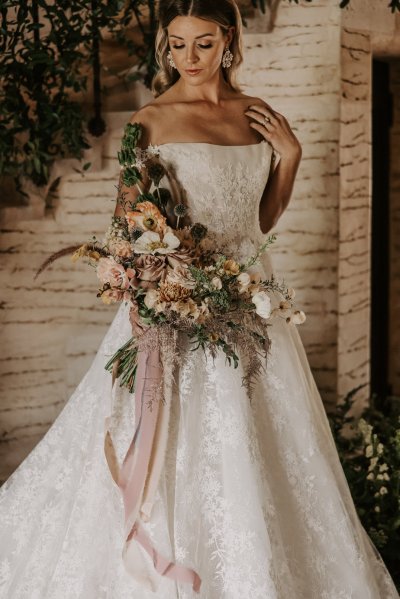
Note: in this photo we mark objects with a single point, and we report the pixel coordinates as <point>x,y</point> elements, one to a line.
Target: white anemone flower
<point>262,302</point>
<point>151,243</point>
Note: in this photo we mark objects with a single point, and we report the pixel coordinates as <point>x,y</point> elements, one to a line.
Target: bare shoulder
<point>149,117</point>
<point>254,100</point>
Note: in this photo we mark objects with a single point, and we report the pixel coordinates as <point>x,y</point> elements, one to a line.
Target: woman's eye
<point>202,46</point>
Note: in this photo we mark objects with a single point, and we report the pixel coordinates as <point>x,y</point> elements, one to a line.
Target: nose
<point>191,56</point>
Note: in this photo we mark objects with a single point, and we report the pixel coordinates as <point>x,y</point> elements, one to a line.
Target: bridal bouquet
<point>176,280</point>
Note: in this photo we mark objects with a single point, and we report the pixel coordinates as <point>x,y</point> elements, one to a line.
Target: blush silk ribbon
<point>139,474</point>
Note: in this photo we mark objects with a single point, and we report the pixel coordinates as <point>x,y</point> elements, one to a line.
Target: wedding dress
<point>252,495</point>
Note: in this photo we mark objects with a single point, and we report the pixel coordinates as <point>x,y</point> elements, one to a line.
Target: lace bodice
<point>222,186</point>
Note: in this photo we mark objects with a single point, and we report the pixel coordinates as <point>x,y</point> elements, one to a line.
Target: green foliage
<point>369,449</point>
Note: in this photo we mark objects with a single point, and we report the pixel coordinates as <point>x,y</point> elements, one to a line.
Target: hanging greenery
<point>48,53</point>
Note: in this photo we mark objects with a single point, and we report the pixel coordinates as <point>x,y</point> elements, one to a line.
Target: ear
<point>229,35</point>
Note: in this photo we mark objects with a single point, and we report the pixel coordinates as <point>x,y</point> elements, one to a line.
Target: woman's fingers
<point>261,117</point>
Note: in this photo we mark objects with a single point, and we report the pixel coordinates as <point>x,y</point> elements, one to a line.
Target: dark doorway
<point>380,242</point>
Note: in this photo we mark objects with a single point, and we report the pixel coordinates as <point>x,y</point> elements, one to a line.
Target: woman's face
<point>197,47</point>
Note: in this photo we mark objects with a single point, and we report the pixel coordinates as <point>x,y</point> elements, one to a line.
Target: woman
<point>252,502</point>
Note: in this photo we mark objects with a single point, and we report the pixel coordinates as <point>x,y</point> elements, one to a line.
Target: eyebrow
<point>198,37</point>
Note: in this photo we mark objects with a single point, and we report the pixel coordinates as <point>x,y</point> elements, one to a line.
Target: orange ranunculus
<point>146,217</point>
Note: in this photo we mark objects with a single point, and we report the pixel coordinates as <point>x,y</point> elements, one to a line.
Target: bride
<point>251,502</point>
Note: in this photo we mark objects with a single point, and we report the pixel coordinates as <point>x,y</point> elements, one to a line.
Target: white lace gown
<point>252,496</point>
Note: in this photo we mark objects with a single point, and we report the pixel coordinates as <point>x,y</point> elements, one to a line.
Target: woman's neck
<point>213,91</point>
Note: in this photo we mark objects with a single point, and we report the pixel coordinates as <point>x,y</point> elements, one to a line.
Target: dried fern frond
<point>67,251</point>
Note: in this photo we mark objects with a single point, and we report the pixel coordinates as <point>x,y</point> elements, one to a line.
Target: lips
<point>193,71</point>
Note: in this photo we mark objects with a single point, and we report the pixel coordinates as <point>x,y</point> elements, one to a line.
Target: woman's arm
<point>277,193</point>
<point>127,195</point>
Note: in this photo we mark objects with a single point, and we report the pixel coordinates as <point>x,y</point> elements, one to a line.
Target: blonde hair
<point>224,13</point>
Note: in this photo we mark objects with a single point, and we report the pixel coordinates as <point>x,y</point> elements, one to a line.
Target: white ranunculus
<point>298,317</point>
<point>262,302</point>
<point>151,297</point>
<point>216,282</point>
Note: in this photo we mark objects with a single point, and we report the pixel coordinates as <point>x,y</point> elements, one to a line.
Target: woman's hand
<point>276,130</point>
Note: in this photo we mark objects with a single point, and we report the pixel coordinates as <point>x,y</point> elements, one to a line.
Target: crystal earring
<point>227,58</point>
<point>171,60</point>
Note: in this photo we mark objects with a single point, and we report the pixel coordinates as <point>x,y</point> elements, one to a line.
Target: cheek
<point>211,60</point>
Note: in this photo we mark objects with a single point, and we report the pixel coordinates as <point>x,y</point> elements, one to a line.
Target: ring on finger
<point>267,120</point>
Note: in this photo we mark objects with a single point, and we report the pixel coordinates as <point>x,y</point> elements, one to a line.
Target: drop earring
<point>227,58</point>
<point>171,60</point>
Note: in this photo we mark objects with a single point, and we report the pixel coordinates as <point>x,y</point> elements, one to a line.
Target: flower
<point>379,448</point>
<point>151,298</point>
<point>180,210</point>
<point>110,271</point>
<point>372,464</point>
<point>151,243</point>
<point>150,268</point>
<point>383,467</point>
<point>185,237</point>
<point>213,337</point>
<point>291,293</point>
<point>365,429</point>
<point>182,307</point>
<point>216,282</point>
<point>383,491</point>
<point>198,231</point>
<point>369,451</point>
<point>120,248</point>
<point>262,302</point>
<point>181,276</point>
<point>85,250</point>
<point>173,292</point>
<point>156,172</point>
<point>371,476</point>
<point>231,267</point>
<point>180,258</point>
<point>110,296</point>
<point>244,281</point>
<point>146,217</point>
<point>298,317</point>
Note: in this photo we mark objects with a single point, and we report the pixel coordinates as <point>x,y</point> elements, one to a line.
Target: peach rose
<point>120,248</point>
<point>110,271</point>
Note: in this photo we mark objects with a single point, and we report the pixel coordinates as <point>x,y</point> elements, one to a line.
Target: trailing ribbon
<point>139,474</point>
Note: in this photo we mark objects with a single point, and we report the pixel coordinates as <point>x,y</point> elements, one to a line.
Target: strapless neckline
<point>206,143</point>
